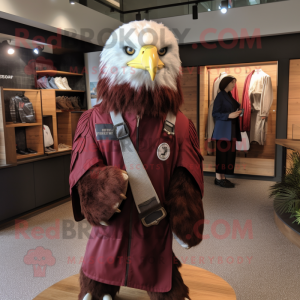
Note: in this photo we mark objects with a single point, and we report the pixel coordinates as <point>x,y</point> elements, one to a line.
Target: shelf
<point>20,156</point>
<point>70,91</point>
<point>10,124</point>
<point>72,111</point>
<point>21,90</point>
<point>58,151</point>
<point>65,91</point>
<point>51,72</point>
<point>64,150</point>
<point>288,143</point>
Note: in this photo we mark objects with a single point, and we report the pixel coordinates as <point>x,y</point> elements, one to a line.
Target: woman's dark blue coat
<point>223,106</point>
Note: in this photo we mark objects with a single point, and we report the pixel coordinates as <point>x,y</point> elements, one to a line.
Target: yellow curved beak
<point>147,59</point>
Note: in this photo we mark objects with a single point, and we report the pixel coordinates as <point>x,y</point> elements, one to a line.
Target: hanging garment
<point>21,110</point>
<point>147,251</point>
<point>261,99</point>
<point>246,105</point>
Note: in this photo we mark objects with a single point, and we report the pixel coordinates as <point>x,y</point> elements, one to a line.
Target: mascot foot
<point>88,296</point>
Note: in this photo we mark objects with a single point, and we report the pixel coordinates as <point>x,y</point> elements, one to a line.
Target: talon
<point>105,224</point>
<point>88,296</point>
<point>125,175</point>
<point>123,196</point>
<point>117,210</point>
<point>116,205</point>
<point>107,297</point>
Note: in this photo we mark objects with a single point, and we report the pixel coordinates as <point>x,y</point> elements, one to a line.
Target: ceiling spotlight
<point>224,6</point>
<point>72,2</point>
<point>10,50</point>
<point>195,12</point>
<point>38,50</point>
<point>138,16</point>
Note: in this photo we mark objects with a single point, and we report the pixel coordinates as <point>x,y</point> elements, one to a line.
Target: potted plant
<point>287,192</point>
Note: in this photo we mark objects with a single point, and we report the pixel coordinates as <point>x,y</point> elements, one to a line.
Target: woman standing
<point>227,131</point>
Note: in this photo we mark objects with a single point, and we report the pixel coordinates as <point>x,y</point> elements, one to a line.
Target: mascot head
<point>140,70</point>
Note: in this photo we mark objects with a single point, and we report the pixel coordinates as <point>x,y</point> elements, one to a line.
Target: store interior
<point>251,240</point>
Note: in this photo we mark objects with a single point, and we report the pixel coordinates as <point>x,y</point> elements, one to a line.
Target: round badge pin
<point>163,151</point>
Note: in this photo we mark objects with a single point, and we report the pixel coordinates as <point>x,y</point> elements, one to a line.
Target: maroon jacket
<point>246,104</point>
<point>126,252</point>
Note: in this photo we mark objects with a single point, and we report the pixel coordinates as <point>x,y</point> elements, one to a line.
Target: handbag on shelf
<point>244,145</point>
<point>48,139</point>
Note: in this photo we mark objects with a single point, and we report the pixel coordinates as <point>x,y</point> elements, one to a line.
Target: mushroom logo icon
<point>39,258</point>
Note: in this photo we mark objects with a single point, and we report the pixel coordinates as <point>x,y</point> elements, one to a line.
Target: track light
<point>10,50</point>
<point>195,12</point>
<point>224,6</point>
<point>38,50</point>
<point>138,16</point>
<point>73,1</point>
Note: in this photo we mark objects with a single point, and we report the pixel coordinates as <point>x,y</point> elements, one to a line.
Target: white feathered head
<point>140,69</point>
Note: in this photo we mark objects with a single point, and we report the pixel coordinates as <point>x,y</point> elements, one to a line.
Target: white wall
<point>53,14</point>
<point>91,61</point>
<point>267,19</point>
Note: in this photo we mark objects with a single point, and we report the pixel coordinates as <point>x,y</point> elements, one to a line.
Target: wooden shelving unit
<point>33,131</point>
<point>63,122</point>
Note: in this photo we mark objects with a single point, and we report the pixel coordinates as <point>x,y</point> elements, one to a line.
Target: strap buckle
<point>154,218</point>
<point>117,135</point>
<point>169,127</point>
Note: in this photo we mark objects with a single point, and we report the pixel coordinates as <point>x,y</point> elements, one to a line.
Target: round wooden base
<point>203,285</point>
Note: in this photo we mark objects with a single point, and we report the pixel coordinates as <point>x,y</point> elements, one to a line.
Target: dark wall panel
<point>17,190</point>
<point>67,162</point>
<point>49,178</point>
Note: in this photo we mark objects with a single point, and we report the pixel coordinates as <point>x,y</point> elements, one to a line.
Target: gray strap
<point>144,194</point>
<point>169,126</point>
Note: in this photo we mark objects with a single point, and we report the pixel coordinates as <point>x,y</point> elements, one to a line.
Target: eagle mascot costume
<point>139,79</point>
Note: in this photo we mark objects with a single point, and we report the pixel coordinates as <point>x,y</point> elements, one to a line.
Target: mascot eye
<point>162,51</point>
<point>129,50</point>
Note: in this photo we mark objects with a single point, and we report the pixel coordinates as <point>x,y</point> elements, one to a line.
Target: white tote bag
<point>48,139</point>
<point>244,145</point>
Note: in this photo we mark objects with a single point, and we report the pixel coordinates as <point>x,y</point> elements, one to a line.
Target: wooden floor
<point>244,165</point>
<point>203,285</point>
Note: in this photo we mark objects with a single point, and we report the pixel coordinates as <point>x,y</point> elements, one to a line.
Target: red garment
<point>235,94</point>
<point>245,119</point>
<point>150,257</point>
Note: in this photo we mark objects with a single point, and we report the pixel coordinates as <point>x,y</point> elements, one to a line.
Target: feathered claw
<point>101,191</point>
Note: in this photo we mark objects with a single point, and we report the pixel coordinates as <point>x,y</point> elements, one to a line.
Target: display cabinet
<point>33,131</point>
<point>260,159</point>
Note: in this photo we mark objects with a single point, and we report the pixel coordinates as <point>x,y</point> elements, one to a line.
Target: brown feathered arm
<point>101,191</point>
<point>184,207</point>
<point>97,190</point>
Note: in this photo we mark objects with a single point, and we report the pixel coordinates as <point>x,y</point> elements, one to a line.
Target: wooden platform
<point>203,285</point>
